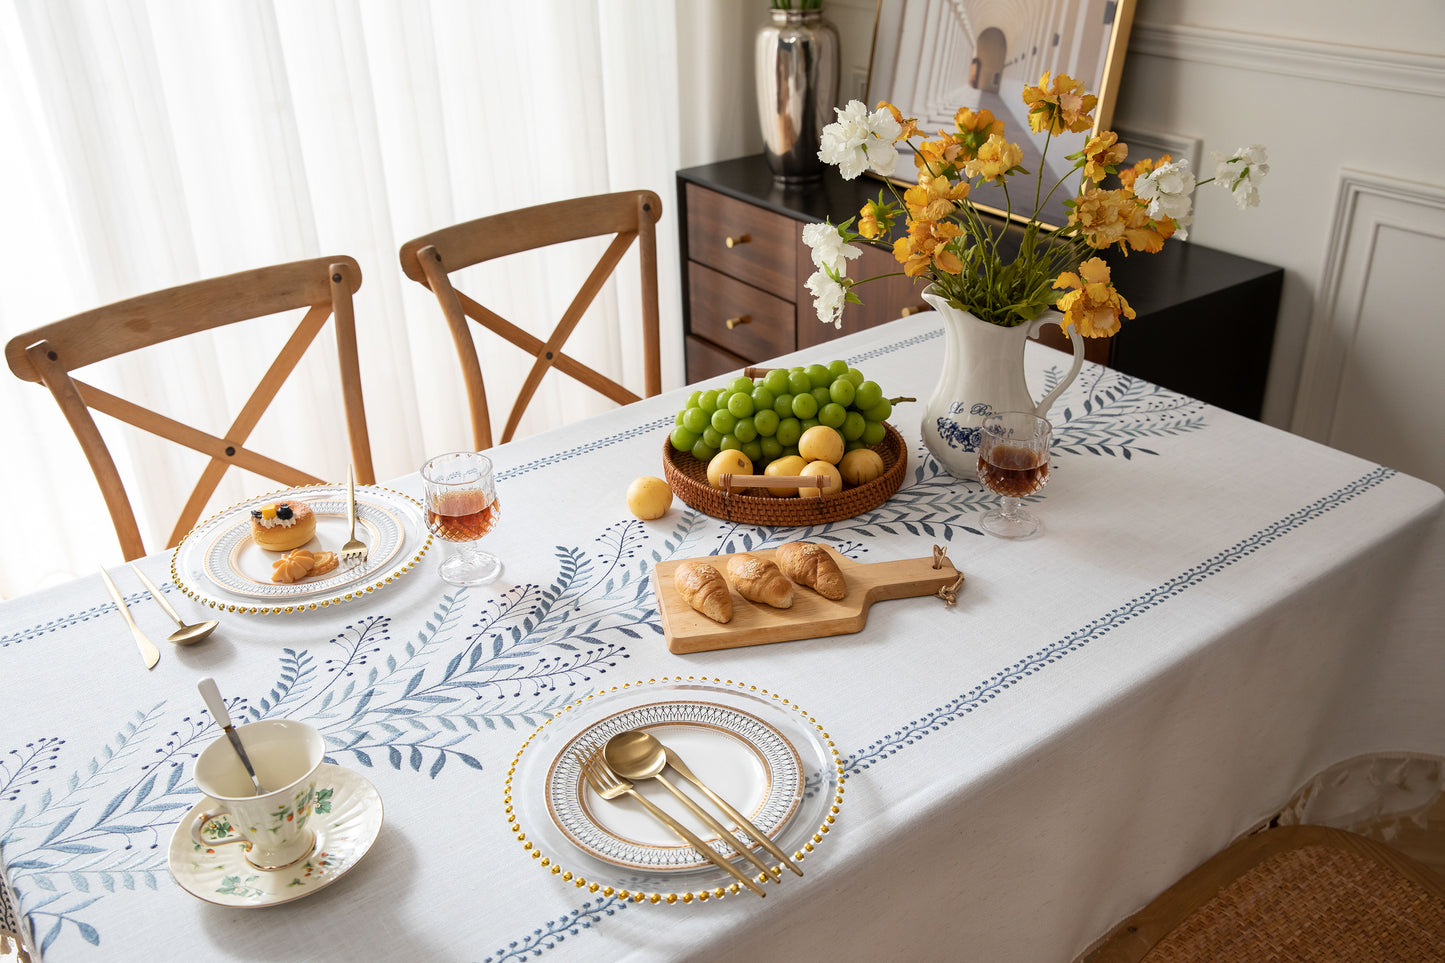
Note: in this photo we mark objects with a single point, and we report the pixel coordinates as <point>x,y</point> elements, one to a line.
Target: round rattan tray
<point>688,478</point>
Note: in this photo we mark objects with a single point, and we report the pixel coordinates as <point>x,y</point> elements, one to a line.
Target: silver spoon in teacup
<point>186,634</point>
<point>212,694</point>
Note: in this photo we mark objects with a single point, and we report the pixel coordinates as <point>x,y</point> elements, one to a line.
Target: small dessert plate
<point>218,564</point>
<point>345,830</point>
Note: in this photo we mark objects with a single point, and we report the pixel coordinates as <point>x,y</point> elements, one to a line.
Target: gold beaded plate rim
<point>527,816</point>
<point>415,542</point>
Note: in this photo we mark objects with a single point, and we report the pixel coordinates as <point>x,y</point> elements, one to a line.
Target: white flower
<point>858,139</point>
<point>1241,172</point>
<point>828,247</point>
<point>1169,189</point>
<point>828,297</point>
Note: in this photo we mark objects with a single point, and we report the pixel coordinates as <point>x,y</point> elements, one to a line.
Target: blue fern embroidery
<point>66,864</point>
<point>548,935</point>
<point>1119,412</point>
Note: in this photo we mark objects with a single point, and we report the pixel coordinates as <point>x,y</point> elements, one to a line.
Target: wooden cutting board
<point>811,616</point>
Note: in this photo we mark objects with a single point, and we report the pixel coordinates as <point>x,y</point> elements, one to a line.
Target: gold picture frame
<point>931,57</point>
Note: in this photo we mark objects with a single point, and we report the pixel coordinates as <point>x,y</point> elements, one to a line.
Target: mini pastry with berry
<point>282,526</point>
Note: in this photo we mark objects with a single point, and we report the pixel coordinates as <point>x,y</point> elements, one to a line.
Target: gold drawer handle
<point>914,310</point>
<point>740,319</point>
<point>737,239</point>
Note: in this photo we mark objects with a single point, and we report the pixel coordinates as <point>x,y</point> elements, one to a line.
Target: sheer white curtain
<point>150,143</point>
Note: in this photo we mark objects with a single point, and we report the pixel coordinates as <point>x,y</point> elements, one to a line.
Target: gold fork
<point>354,549</point>
<point>609,786</point>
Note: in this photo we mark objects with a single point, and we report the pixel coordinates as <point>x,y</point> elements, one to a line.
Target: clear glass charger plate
<point>758,750</point>
<point>218,564</point>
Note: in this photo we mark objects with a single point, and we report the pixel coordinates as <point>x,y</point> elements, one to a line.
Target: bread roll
<point>704,588</point>
<point>758,580</point>
<point>282,526</point>
<point>811,565</point>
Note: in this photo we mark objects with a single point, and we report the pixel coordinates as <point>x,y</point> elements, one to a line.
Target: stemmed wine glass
<point>461,507</point>
<point>1013,461</point>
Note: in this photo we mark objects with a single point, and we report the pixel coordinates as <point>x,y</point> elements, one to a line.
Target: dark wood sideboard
<point>1205,324</point>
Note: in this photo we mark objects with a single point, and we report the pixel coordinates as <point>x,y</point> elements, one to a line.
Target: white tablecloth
<point>1215,611</point>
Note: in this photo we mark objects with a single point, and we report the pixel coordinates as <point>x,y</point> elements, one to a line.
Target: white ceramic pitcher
<point>983,373</point>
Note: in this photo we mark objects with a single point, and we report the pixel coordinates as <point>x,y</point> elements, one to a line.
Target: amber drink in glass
<point>461,507</point>
<point>1013,461</point>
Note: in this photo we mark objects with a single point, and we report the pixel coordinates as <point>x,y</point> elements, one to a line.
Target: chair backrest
<point>48,355</point>
<point>432,258</point>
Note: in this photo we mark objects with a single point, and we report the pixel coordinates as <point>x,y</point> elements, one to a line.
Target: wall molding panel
<point>1372,213</point>
<point>1413,73</point>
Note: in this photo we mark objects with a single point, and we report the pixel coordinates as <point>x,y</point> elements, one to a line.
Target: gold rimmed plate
<point>768,756</point>
<point>220,565</point>
<point>740,757</point>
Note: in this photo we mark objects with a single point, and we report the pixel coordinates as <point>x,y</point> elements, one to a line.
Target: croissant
<point>758,580</point>
<point>811,565</point>
<point>704,588</point>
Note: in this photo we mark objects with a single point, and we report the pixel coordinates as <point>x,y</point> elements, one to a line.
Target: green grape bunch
<point>764,417</point>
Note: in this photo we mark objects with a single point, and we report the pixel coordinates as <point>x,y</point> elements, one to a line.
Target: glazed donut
<point>282,526</point>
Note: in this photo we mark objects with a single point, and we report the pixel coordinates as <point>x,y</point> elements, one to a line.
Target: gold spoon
<point>637,755</point>
<point>186,634</point>
<point>645,744</point>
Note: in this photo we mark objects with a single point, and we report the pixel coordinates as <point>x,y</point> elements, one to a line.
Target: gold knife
<point>744,824</point>
<point>148,651</point>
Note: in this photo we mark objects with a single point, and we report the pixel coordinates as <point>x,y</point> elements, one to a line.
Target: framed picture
<point>931,57</point>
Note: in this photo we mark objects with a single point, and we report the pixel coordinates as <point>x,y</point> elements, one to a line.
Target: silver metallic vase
<point>797,75</point>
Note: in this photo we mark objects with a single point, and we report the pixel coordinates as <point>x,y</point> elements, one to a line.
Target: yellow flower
<point>909,125</point>
<point>927,245</point>
<point>994,159</point>
<point>1094,307</point>
<point>1102,153</point>
<point>1146,165</point>
<point>934,198</point>
<point>939,157</point>
<point>1103,216</point>
<point>875,218</point>
<point>1065,107</point>
<point>1143,234</point>
<point>974,129</point>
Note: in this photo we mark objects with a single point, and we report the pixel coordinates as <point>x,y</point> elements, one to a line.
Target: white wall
<point>1349,98</point>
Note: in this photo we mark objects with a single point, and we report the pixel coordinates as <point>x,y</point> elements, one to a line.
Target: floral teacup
<point>271,827</point>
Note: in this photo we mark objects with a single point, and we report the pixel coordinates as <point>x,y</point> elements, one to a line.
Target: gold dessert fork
<point>609,786</point>
<point>355,549</point>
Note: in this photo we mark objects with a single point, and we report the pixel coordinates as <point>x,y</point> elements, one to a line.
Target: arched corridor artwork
<point>931,57</point>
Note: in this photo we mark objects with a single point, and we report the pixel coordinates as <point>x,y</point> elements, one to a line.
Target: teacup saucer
<point>345,830</point>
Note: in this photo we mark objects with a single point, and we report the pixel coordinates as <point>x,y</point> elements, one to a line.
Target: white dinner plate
<point>737,755</point>
<point>219,564</point>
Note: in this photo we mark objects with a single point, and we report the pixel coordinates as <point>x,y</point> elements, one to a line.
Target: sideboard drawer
<point>706,361</point>
<point>750,323</point>
<point>764,243</point>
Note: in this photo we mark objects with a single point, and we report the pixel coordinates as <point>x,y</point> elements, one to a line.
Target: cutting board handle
<point>902,579</point>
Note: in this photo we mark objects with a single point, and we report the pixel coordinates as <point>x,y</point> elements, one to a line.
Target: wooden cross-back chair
<point>49,355</point>
<point>432,258</point>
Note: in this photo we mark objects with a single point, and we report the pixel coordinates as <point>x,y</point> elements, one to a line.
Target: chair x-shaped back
<point>432,258</point>
<point>48,355</point>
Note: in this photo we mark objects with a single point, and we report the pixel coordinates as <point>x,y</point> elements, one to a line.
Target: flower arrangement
<point>948,242</point>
